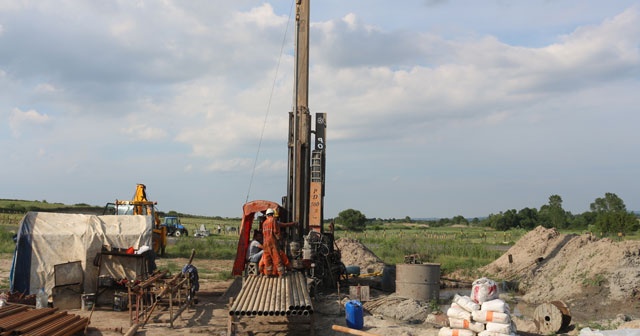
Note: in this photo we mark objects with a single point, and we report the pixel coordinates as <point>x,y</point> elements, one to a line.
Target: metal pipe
<point>294,304</point>
<point>262,299</point>
<point>307,297</point>
<point>256,303</point>
<point>249,304</point>
<point>287,293</point>
<point>251,296</point>
<point>278,302</point>
<point>283,297</point>
<point>300,303</point>
<point>274,299</point>
<point>251,285</point>
<point>238,304</point>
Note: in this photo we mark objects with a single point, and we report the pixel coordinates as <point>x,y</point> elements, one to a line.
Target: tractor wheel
<point>178,233</point>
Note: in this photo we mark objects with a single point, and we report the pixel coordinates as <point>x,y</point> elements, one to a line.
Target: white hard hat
<point>270,211</point>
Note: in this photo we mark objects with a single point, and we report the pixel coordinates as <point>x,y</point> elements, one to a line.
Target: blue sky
<point>435,108</point>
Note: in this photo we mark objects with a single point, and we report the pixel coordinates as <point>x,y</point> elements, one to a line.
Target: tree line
<point>607,215</point>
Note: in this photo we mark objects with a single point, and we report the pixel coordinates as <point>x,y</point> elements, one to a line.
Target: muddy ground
<point>598,279</point>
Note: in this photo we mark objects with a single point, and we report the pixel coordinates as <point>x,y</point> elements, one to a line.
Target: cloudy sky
<point>435,108</point>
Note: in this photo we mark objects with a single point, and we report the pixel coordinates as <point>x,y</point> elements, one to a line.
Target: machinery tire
<point>178,233</point>
<point>186,233</point>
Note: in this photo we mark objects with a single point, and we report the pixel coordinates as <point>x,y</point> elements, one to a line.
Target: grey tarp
<point>47,239</point>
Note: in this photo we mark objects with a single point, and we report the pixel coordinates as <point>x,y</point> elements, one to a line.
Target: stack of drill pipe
<point>269,296</point>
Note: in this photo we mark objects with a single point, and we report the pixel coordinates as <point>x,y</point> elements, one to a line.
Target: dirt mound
<point>354,253</point>
<point>549,266</point>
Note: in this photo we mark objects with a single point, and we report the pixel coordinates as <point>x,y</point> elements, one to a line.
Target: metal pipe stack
<point>273,296</point>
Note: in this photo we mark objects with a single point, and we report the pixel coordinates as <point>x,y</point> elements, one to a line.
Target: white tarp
<point>47,239</point>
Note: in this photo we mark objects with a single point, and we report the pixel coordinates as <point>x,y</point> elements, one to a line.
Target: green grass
<point>212,247</point>
<point>453,248</point>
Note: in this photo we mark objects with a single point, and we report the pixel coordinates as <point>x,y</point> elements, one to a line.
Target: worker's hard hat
<point>270,211</point>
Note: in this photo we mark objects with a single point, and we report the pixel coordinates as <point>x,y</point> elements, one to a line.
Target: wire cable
<point>273,85</point>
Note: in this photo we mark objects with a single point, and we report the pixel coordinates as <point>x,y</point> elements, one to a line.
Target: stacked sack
<point>482,314</point>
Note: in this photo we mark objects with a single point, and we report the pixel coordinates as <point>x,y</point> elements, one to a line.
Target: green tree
<point>460,220</point>
<point>612,215</point>
<point>528,218</point>
<point>552,214</point>
<point>352,220</point>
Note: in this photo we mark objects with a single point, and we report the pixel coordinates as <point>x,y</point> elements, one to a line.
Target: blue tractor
<point>174,228</point>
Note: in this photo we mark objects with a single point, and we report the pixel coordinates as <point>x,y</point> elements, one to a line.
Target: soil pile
<point>551,266</point>
<point>354,253</point>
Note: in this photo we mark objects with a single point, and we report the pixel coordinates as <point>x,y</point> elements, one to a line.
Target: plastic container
<point>42,299</point>
<point>87,301</point>
<point>353,309</point>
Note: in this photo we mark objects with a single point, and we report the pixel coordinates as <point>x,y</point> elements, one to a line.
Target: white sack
<point>502,328</point>
<point>496,305</point>
<point>458,313</point>
<point>445,331</point>
<point>483,290</point>
<point>466,303</point>
<point>485,316</point>
<point>457,323</point>
<point>493,333</point>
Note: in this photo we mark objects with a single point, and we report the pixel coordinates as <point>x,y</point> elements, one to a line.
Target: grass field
<point>455,248</point>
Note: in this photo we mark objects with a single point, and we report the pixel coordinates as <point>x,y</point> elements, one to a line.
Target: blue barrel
<point>354,314</point>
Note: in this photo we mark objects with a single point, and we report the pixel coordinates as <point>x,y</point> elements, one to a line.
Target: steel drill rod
<point>237,303</point>
<point>301,290</point>
<point>38,323</point>
<point>287,293</point>
<point>244,309</point>
<point>283,297</point>
<point>265,295</point>
<point>249,289</point>
<point>251,300</point>
<point>252,309</point>
<point>294,291</point>
<point>278,306</point>
<point>307,297</point>
<point>273,300</point>
<point>72,328</point>
<point>299,303</point>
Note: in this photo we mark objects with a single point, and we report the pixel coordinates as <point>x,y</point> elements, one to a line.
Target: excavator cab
<point>139,205</point>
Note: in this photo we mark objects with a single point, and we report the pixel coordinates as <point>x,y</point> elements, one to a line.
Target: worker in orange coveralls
<point>272,253</point>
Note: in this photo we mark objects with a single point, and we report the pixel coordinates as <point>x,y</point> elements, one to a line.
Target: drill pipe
<point>294,304</point>
<point>274,298</point>
<point>243,296</point>
<point>264,297</point>
<point>287,296</point>
<point>305,292</point>
<point>256,299</point>
<point>269,296</point>
<point>278,297</point>
<point>250,297</point>
<point>251,300</point>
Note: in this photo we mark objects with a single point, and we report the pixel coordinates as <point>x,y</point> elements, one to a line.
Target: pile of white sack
<point>482,313</point>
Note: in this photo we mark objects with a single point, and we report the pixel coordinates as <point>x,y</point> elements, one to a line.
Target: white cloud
<point>20,121</point>
<point>144,132</point>
<point>421,101</point>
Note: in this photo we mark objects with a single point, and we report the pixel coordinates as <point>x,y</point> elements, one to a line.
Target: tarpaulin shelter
<point>47,239</point>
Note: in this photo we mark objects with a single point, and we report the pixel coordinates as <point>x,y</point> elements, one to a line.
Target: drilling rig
<point>309,246</point>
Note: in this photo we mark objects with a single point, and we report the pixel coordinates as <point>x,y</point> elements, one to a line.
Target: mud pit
<point>597,278</point>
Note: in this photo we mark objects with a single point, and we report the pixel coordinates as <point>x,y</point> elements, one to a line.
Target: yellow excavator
<point>140,205</point>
